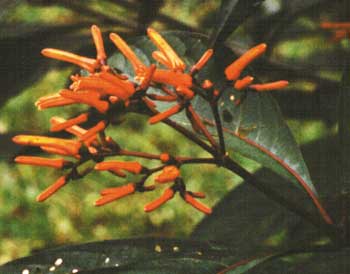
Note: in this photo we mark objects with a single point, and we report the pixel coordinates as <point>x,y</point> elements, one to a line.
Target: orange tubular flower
<point>234,70</point>
<point>92,131</point>
<point>164,115</point>
<point>126,88</point>
<point>133,167</point>
<point>51,189</point>
<point>69,123</point>
<point>167,195</point>
<point>88,97</point>
<point>167,50</point>
<point>169,174</point>
<point>202,61</point>
<point>55,100</point>
<point>139,67</point>
<point>40,161</point>
<point>173,78</point>
<point>83,62</point>
<point>75,130</point>
<point>145,82</point>
<point>117,172</point>
<point>185,92</point>
<point>198,205</point>
<point>243,83</point>
<point>270,86</point>
<point>53,150</point>
<point>70,146</point>
<point>104,83</point>
<point>159,56</point>
<point>98,41</point>
<point>115,193</point>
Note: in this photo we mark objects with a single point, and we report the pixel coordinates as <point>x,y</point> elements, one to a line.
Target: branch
<point>214,108</point>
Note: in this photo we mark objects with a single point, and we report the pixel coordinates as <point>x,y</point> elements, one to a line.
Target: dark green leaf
<point>312,262</point>
<point>231,14</point>
<point>249,220</point>
<point>254,128</point>
<point>126,256</point>
<point>344,128</point>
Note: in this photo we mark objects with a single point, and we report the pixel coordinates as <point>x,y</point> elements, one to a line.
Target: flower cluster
<point>341,30</point>
<point>109,92</point>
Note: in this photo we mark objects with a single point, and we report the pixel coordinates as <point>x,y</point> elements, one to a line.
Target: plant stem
<point>215,110</point>
<point>190,135</point>
<point>138,154</point>
<point>183,160</point>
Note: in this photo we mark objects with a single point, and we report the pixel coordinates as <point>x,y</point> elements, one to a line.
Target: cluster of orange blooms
<point>106,90</point>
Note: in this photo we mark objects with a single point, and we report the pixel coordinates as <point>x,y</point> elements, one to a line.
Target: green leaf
<point>344,128</point>
<point>311,262</point>
<point>231,14</point>
<point>254,128</point>
<point>154,255</point>
<point>248,220</point>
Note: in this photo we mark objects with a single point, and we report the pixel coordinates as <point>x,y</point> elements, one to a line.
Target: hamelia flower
<point>54,100</point>
<point>58,123</point>
<point>70,146</point>
<point>243,83</point>
<point>270,86</point>
<point>165,114</point>
<point>69,123</point>
<point>40,161</point>
<point>167,195</point>
<point>84,62</point>
<point>133,167</point>
<point>115,193</point>
<point>189,198</point>
<point>109,93</point>
<point>235,69</point>
<point>52,189</point>
<point>167,51</point>
<point>169,174</point>
<point>202,61</point>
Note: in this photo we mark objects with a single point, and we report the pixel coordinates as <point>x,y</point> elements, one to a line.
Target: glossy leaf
<point>149,255</point>
<point>255,127</point>
<point>311,262</point>
<point>230,15</point>
<point>249,220</point>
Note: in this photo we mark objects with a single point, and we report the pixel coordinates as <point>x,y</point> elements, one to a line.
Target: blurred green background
<point>299,51</point>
